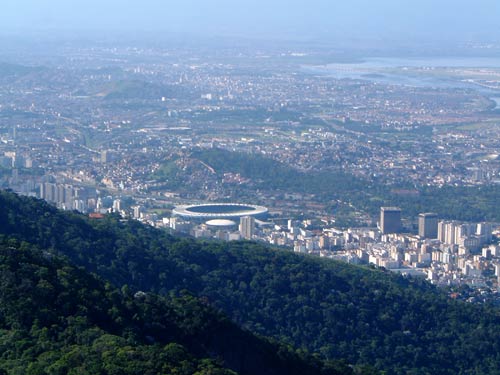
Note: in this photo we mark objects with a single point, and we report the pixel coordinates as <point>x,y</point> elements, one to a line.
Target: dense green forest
<point>472,203</point>
<point>335,310</point>
<point>58,319</point>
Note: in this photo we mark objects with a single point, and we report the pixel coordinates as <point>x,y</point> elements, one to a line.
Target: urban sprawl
<point>120,130</point>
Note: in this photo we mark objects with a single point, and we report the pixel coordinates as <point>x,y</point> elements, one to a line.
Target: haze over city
<point>444,20</point>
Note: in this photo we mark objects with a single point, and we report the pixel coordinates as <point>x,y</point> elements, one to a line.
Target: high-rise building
<point>48,191</point>
<point>117,205</point>
<point>247,226</point>
<point>441,230</point>
<point>137,212</point>
<point>464,230</point>
<point>485,230</point>
<point>390,220</point>
<point>428,225</point>
<point>450,232</point>
<point>60,194</point>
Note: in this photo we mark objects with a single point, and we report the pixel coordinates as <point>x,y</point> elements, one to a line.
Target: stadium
<point>220,211</point>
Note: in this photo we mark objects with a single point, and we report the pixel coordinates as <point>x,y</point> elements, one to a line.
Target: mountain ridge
<point>56,318</point>
<point>337,311</point>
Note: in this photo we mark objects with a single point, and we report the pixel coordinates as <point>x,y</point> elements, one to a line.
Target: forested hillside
<point>366,316</point>
<point>58,319</point>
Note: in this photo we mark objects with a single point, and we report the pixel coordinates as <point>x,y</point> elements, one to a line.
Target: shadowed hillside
<point>365,316</point>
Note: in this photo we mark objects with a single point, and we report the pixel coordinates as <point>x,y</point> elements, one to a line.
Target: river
<point>411,72</point>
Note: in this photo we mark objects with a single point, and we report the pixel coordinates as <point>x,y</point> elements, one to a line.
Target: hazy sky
<point>441,19</point>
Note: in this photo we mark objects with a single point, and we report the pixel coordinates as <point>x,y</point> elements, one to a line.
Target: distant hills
<point>362,316</point>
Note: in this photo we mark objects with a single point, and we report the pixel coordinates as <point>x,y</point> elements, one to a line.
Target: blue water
<point>431,62</point>
<point>374,69</point>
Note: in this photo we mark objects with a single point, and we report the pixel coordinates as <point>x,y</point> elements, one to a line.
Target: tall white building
<point>117,205</point>
<point>137,212</point>
<point>247,227</point>
<point>449,233</point>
